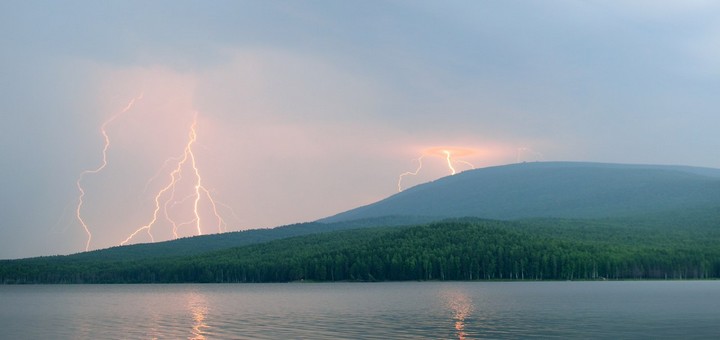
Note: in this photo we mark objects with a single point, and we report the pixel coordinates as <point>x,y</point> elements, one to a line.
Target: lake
<point>411,310</point>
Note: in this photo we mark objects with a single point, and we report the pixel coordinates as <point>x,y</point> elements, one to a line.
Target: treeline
<point>465,249</point>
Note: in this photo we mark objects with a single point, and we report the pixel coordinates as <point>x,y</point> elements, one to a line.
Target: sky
<point>291,111</point>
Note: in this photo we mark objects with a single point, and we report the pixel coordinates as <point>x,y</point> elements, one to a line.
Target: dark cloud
<point>336,98</point>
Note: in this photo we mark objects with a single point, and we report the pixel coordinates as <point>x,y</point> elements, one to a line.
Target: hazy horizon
<point>306,109</point>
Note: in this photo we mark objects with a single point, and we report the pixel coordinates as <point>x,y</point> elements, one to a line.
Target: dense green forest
<point>658,247</point>
<point>599,222</point>
<point>207,243</point>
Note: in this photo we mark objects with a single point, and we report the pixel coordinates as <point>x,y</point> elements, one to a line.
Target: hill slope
<point>456,249</point>
<point>212,242</point>
<point>552,189</point>
<point>614,221</point>
<point>569,190</point>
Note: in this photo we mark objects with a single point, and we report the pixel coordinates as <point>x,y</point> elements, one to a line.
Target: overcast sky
<point>308,108</point>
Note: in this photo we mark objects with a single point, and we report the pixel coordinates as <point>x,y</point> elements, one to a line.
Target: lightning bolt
<point>78,183</point>
<point>410,173</point>
<point>159,172</point>
<point>223,227</point>
<point>444,153</point>
<point>449,161</point>
<point>472,167</point>
<point>166,195</point>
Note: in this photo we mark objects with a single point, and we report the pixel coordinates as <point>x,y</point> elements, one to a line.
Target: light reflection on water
<point>461,306</point>
<point>409,310</point>
<point>199,309</point>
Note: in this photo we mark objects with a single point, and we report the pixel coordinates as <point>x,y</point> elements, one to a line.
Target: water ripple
<point>368,311</point>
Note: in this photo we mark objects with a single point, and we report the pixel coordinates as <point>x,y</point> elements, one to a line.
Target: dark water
<point>363,311</point>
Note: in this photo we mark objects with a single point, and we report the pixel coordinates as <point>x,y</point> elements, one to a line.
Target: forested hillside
<point>206,243</point>
<point>564,221</point>
<point>552,189</point>
<point>461,249</point>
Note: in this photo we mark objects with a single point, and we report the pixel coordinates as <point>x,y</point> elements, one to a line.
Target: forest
<point>453,249</point>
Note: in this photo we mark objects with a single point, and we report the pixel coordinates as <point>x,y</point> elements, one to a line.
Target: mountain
<point>542,189</point>
<point>570,221</point>
<point>212,242</point>
<point>552,189</point>
<point>454,249</point>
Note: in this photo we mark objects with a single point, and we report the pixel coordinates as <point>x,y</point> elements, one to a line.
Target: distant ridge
<point>585,221</point>
<point>552,189</point>
<point>517,191</point>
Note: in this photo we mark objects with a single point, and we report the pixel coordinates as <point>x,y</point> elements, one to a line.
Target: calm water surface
<point>417,310</point>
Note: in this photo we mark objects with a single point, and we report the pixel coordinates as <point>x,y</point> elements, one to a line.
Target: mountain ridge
<point>551,189</point>
<point>558,220</point>
<point>704,182</point>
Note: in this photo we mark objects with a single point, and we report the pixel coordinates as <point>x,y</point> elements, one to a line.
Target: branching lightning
<point>470,165</point>
<point>410,173</point>
<point>450,161</point>
<point>446,154</point>
<point>183,201</point>
<point>103,130</point>
<point>165,198</point>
